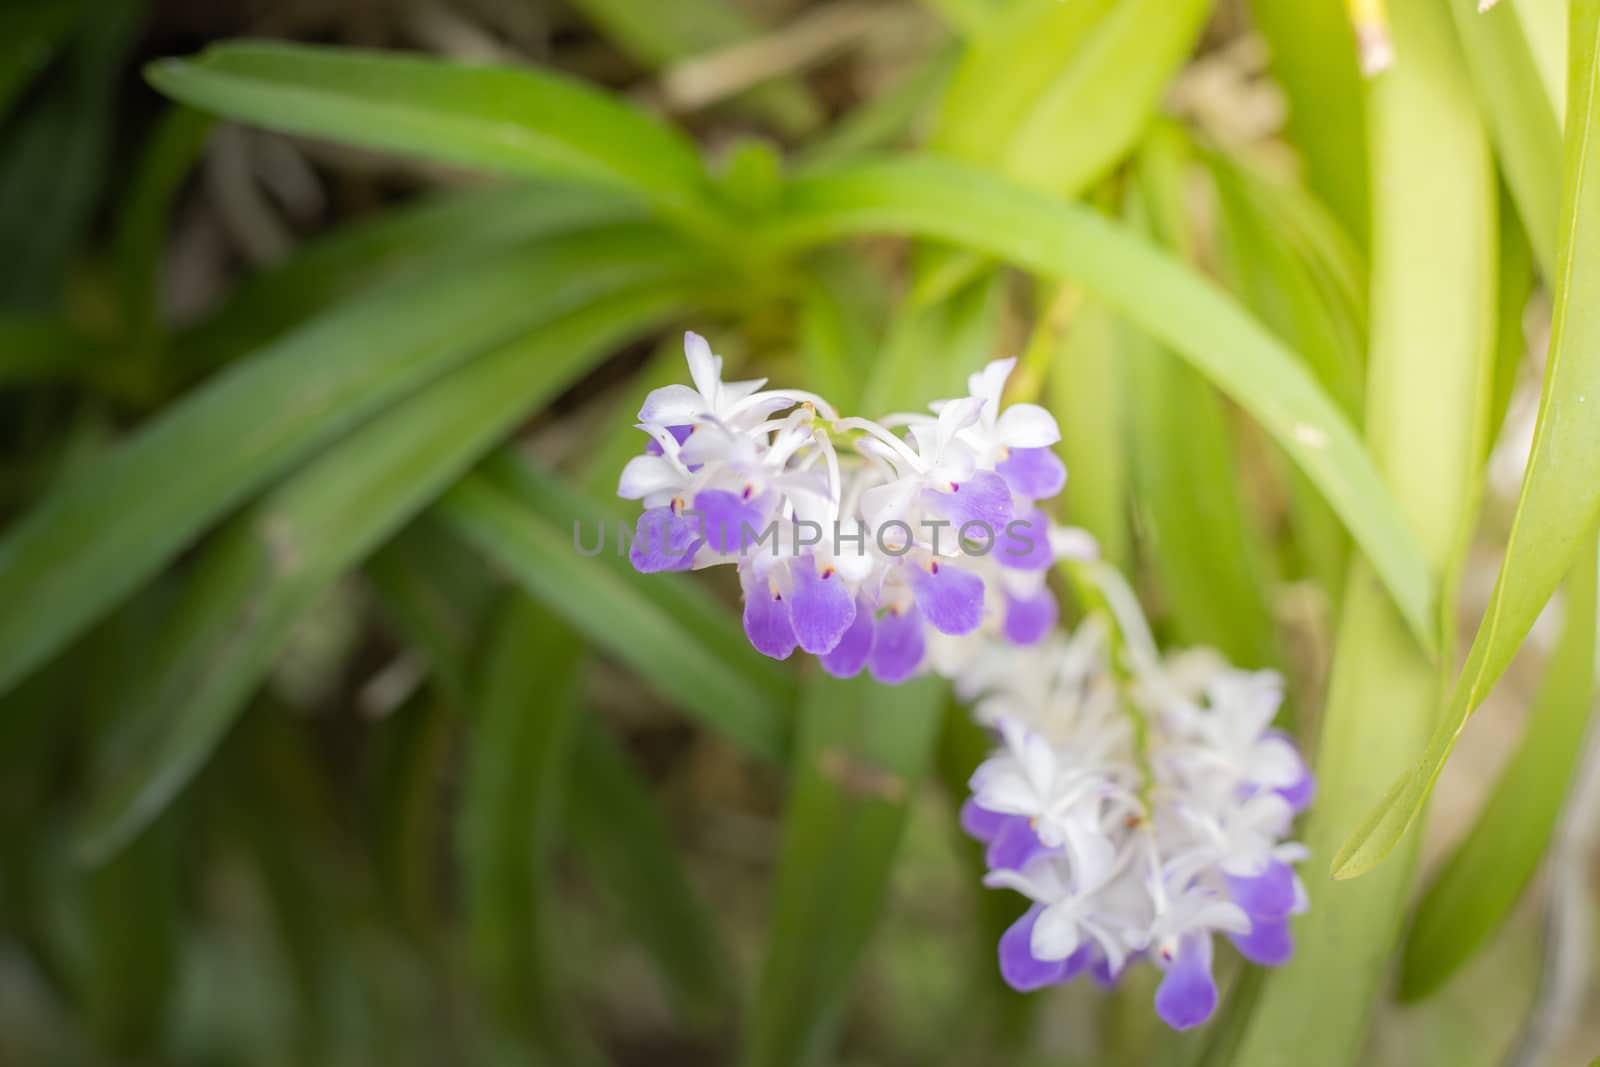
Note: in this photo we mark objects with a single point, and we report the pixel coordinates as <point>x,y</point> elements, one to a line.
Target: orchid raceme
<point>1141,803</point>
<point>856,541</point>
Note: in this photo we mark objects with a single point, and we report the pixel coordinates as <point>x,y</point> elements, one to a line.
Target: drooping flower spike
<point>1142,803</point>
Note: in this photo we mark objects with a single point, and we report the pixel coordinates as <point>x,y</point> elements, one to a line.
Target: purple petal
<point>951,598</point>
<point>850,653</point>
<point>1268,943</point>
<point>1021,969</point>
<point>981,823</point>
<point>663,541</point>
<point>1024,544</point>
<point>725,516</point>
<point>1029,619</point>
<point>1036,473</point>
<point>679,434</point>
<point>1269,895</point>
<point>1013,846</point>
<point>766,619</point>
<point>897,645</point>
<point>1302,792</point>
<point>821,608</point>
<point>1188,994</point>
<point>984,498</point>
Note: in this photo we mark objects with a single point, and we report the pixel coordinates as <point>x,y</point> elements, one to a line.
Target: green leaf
<point>519,121</point>
<point>1428,382</point>
<point>1474,892</point>
<point>53,159</point>
<point>696,657</point>
<point>276,560</point>
<point>1198,530</point>
<point>1314,58</point>
<point>1521,117</point>
<point>1058,94</point>
<point>101,533</point>
<point>436,595</point>
<point>841,325</point>
<point>1560,501</point>
<point>1162,297</point>
<point>619,831</point>
<point>439,234</point>
<point>519,776</point>
<point>861,756</point>
<point>37,347</point>
<point>1087,392</point>
<point>31,33</point>
<point>168,157</point>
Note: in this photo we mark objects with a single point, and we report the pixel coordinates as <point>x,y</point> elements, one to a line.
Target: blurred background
<point>397,853</point>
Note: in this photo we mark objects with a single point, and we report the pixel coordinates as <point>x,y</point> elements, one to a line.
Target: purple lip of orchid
<point>1125,857</point>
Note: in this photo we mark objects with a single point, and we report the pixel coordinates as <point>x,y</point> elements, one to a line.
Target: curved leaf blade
<point>276,560</point>
<point>1559,505</point>
<point>101,533</point>
<point>1476,889</point>
<point>863,751</point>
<point>506,120</point>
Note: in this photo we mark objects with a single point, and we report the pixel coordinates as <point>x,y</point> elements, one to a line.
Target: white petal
<point>1055,933</point>
<point>883,503</point>
<point>645,475</point>
<point>672,405</point>
<point>705,369</point>
<point>988,383</point>
<point>1026,426</point>
<point>1274,763</point>
<point>733,392</point>
<point>957,415</point>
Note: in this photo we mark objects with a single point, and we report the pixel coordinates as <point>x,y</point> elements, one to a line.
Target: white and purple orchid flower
<point>856,541</point>
<point>917,543</point>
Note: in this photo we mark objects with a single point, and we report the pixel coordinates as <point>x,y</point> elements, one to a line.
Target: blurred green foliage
<point>319,744</point>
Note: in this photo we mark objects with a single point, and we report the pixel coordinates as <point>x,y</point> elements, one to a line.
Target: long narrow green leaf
<point>1057,95</point>
<point>441,234</point>
<point>1560,501</point>
<point>618,829</point>
<point>1432,341</point>
<point>437,595</point>
<point>1473,894</point>
<point>519,121</point>
<point>609,607</point>
<point>1198,532</point>
<point>1087,391</point>
<point>142,228</point>
<point>276,560</point>
<point>861,756</point>
<point>1060,92</point>
<point>518,779</point>
<point>31,32</point>
<point>1314,57</point>
<point>1168,301</point>
<point>1521,117</point>
<point>99,534</point>
<point>53,159</point>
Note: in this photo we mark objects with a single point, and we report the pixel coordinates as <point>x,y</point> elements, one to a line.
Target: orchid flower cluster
<point>1141,803</point>
<point>853,542</point>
